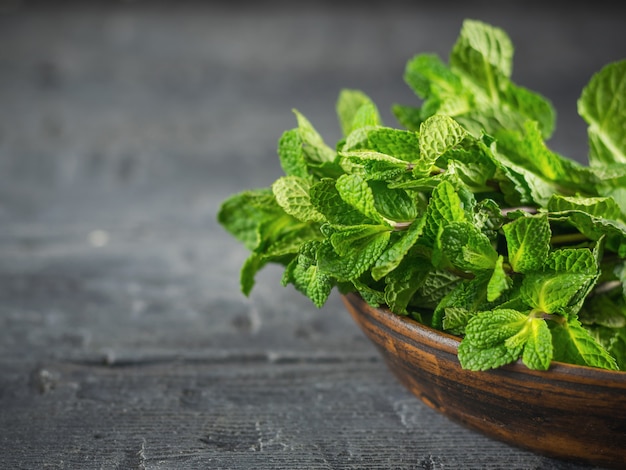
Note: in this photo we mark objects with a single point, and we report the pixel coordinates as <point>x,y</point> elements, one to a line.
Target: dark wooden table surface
<point>124,340</point>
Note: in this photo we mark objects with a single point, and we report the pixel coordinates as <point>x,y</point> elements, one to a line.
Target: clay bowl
<point>568,412</point>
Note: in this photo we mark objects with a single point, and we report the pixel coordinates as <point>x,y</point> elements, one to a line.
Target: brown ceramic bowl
<point>568,412</point>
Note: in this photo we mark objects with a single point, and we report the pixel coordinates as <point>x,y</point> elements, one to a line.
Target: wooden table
<point>124,340</point>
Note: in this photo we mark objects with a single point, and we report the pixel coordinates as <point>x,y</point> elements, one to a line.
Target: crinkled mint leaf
<point>474,358</point>
<point>445,206</point>
<point>468,294</point>
<point>395,205</point>
<point>497,337</point>
<point>438,134</point>
<point>356,192</point>
<point>603,107</point>
<point>293,195</point>
<point>306,277</point>
<point>602,207</point>
<point>348,107</point>
<point>493,327</point>
<point>326,199</point>
<point>401,285</point>
<point>242,213</point>
<point>536,340</point>
<point>465,247</point>
<point>482,57</point>
<point>573,344</point>
<point>401,144</point>
<point>391,258</point>
<point>528,242</point>
<point>373,165</point>
<point>528,149</point>
<point>499,281</point>
<point>440,88</point>
<point>315,148</point>
<point>291,154</point>
<point>572,260</point>
<point>359,251</point>
<point>551,291</point>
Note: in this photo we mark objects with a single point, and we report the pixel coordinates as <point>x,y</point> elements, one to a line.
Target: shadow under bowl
<point>569,412</point>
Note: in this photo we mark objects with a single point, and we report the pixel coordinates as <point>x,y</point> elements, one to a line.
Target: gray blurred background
<point>124,339</point>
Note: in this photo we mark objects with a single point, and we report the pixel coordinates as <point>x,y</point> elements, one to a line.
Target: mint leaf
<point>306,277</point>
<point>549,292</point>
<point>466,248</point>
<point>391,258</point>
<point>293,195</point>
<point>494,338</point>
<point>357,251</point>
<point>242,214</point>
<point>438,134</point>
<point>326,199</point>
<point>313,144</point>
<point>291,154</point>
<point>444,206</point>
<point>602,106</point>
<point>528,242</point>
<point>499,281</point>
<point>355,191</point>
<point>348,108</point>
<point>574,344</point>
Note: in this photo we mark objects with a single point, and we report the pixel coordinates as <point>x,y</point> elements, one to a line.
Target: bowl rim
<point>412,330</point>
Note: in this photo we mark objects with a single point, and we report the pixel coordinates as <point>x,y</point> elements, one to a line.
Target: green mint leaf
<point>466,248</point>
<point>602,106</point>
<point>468,294</point>
<point>536,340</point>
<point>355,191</point>
<point>251,266</point>
<point>358,251</point>
<point>306,277</point>
<point>572,260</point>
<point>293,195</point>
<point>437,284</point>
<point>409,117</point>
<point>528,149</point>
<point>603,207</point>
<point>326,199</point>
<point>499,281</point>
<point>372,165</point>
<point>401,285</point>
<point>442,90</point>
<point>391,258</point>
<point>549,292</point>
<point>494,338</point>
<point>401,144</point>
<point>314,147</point>
<point>493,327</point>
<point>346,240</point>
<point>242,213</point>
<point>394,204</point>
<point>482,57</point>
<point>475,358</point>
<point>438,134</point>
<point>573,344</point>
<point>445,206</point>
<point>528,242</point>
<point>348,106</point>
<point>455,320</point>
<point>291,154</point>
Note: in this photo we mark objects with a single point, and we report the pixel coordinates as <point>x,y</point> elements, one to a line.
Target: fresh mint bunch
<point>463,219</point>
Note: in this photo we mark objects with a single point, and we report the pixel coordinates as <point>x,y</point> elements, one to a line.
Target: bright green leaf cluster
<point>464,219</point>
